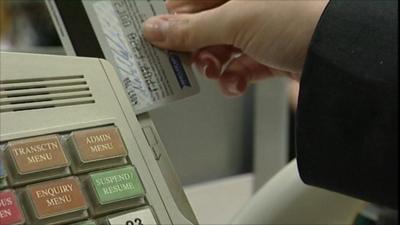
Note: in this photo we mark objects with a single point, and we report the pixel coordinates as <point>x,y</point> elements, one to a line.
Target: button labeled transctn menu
<point>37,154</point>
<point>98,144</point>
<point>56,197</point>
<point>116,185</point>
<point>10,211</point>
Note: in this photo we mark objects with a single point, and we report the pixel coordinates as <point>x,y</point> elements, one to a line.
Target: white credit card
<point>152,77</point>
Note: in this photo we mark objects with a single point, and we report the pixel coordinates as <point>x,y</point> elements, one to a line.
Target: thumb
<point>189,32</point>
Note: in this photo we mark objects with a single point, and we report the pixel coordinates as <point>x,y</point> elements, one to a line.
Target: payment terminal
<point>74,152</point>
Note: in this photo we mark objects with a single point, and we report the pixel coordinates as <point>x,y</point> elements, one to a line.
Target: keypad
<point>81,177</point>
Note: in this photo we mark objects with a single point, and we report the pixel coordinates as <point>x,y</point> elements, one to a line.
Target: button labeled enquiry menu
<point>98,144</point>
<point>56,197</point>
<point>38,154</point>
<point>116,185</point>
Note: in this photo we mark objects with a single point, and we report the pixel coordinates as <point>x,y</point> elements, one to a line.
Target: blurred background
<point>26,26</point>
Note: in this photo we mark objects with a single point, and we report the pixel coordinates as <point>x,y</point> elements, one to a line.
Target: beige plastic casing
<point>110,107</point>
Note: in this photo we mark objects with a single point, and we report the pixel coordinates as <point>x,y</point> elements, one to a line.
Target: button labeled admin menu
<point>97,148</point>
<point>98,144</point>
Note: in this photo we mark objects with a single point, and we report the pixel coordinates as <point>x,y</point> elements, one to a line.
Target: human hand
<point>267,38</point>
<point>191,6</point>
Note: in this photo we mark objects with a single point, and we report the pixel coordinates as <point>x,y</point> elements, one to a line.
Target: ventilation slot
<point>31,94</point>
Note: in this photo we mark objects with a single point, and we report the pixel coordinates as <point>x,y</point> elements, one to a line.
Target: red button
<point>10,212</point>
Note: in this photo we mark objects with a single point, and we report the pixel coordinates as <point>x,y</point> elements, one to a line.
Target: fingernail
<point>236,87</point>
<point>241,86</point>
<point>209,66</point>
<point>232,87</point>
<point>154,29</point>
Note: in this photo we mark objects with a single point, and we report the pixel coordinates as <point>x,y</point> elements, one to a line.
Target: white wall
<point>207,136</point>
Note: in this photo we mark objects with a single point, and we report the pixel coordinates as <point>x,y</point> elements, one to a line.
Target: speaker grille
<point>39,93</point>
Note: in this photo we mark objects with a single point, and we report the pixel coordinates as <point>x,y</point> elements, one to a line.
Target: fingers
<point>190,32</point>
<point>233,85</point>
<point>211,60</point>
<point>240,73</point>
<point>191,6</point>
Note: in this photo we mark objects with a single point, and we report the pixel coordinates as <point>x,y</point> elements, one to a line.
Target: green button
<point>117,185</point>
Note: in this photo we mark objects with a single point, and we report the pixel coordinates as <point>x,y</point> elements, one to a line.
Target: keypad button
<point>10,210</point>
<point>116,185</point>
<point>36,159</point>
<point>98,144</point>
<point>2,170</point>
<point>97,148</point>
<point>139,217</point>
<point>3,183</point>
<point>37,154</point>
<point>3,174</point>
<point>55,198</point>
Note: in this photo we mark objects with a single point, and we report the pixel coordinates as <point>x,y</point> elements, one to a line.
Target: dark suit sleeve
<point>347,122</point>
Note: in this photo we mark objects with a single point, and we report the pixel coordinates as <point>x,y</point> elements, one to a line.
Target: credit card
<point>152,77</point>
